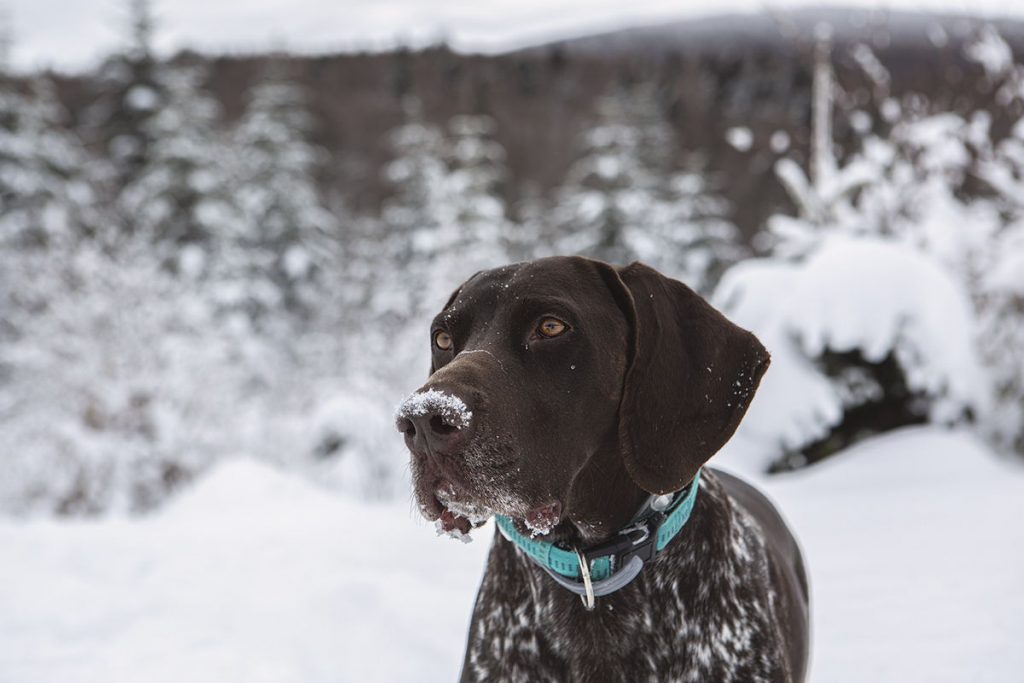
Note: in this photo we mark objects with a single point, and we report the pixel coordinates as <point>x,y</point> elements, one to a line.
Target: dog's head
<point>566,385</point>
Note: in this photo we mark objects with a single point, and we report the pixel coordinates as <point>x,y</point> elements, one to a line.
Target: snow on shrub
<point>878,298</point>
<point>354,445</point>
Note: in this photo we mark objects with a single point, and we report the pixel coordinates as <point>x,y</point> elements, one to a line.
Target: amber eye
<point>551,327</point>
<point>442,340</point>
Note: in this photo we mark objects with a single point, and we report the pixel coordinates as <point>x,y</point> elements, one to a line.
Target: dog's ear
<point>690,377</point>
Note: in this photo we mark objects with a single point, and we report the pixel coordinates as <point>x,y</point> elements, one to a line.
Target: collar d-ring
<point>588,595</point>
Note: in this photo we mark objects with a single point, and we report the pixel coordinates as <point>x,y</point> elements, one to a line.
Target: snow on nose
<point>451,410</point>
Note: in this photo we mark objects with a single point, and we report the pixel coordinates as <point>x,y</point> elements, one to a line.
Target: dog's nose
<point>429,433</point>
<point>433,422</point>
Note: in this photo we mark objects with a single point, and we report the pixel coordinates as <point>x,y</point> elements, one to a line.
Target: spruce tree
<point>624,199</point>
<point>291,238</point>
<point>45,192</point>
<point>478,233</point>
<point>130,93</point>
<point>415,222</point>
<point>182,198</point>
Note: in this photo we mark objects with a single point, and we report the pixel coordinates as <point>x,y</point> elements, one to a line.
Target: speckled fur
<point>707,609</point>
<point>644,385</point>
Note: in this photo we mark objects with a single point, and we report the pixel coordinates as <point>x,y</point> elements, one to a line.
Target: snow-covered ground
<point>915,545</point>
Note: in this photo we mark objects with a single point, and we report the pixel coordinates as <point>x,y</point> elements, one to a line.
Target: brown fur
<point>645,385</point>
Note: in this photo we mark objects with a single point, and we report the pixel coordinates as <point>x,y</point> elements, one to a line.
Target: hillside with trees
<point>209,255</point>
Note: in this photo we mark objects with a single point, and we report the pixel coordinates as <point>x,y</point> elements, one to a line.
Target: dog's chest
<point>703,612</point>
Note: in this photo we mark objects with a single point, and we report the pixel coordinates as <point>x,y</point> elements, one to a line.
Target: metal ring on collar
<point>588,596</point>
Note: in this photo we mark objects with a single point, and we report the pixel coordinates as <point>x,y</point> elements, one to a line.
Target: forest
<point>204,256</point>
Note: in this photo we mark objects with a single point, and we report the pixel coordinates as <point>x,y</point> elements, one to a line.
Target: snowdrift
<point>913,541</point>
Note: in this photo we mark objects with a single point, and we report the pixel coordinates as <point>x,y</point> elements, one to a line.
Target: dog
<point>578,403</point>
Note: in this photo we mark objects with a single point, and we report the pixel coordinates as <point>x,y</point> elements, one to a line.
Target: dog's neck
<point>602,499</point>
<point>706,594</point>
<point>706,570</point>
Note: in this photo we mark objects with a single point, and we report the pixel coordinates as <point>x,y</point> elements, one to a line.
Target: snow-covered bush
<point>866,303</point>
<point>353,442</point>
<point>1001,340</point>
<point>864,333</point>
<point>1000,295</point>
<point>124,383</point>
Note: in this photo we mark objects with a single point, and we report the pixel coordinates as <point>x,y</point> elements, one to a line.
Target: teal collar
<point>612,564</point>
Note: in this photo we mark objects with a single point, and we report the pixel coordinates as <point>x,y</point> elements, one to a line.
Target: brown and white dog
<point>563,394</point>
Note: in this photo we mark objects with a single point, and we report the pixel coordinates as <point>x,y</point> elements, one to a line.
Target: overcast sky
<point>74,34</point>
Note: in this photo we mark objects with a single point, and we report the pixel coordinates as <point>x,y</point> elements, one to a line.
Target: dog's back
<point>787,564</point>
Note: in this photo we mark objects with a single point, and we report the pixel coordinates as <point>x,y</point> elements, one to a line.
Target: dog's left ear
<point>690,378</point>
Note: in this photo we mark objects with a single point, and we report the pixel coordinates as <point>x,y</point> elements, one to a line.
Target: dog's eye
<point>551,327</point>
<point>442,340</point>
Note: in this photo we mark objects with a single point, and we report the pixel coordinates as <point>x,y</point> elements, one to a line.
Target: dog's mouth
<point>455,514</point>
<point>458,517</point>
<point>447,506</point>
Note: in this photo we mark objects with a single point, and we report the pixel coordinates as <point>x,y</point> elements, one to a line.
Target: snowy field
<point>914,542</point>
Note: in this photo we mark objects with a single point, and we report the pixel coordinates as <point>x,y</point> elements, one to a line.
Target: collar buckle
<point>636,540</point>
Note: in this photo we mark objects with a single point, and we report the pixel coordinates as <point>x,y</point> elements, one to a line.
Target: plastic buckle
<point>639,540</point>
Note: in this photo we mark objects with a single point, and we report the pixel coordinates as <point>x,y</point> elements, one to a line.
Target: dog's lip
<point>543,518</point>
<point>431,484</point>
<point>434,509</point>
<point>431,508</point>
<point>429,505</point>
<point>456,508</point>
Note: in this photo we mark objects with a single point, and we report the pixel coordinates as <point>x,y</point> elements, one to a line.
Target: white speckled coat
<point>726,601</point>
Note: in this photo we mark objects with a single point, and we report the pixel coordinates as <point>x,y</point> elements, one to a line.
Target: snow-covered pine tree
<point>120,380</point>
<point>291,239</point>
<point>689,235</point>
<point>390,263</point>
<point>610,189</point>
<point>623,200</point>
<point>45,193</point>
<point>45,213</point>
<point>447,218</point>
<point>182,199</point>
<point>130,93</point>
<point>97,340</point>
<point>413,219</point>
<point>481,235</point>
